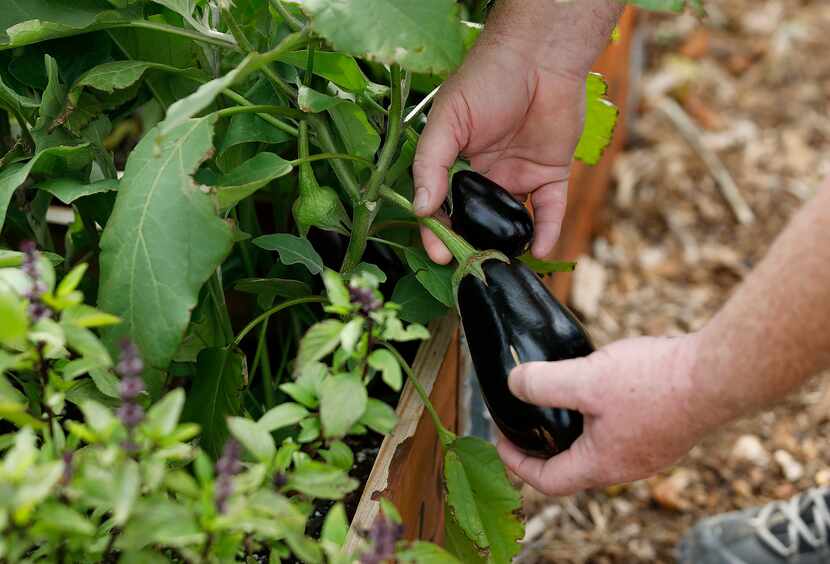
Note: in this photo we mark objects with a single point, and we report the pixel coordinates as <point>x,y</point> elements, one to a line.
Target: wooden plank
<point>588,185</point>
<point>407,471</point>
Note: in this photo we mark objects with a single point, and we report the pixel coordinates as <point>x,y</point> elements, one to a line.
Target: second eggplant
<point>513,318</point>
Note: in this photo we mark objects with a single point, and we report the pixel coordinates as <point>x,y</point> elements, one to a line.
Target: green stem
<point>260,109</point>
<point>236,31</point>
<point>289,18</point>
<point>261,355</point>
<point>332,156</point>
<point>325,139</point>
<point>368,206</point>
<point>268,313</point>
<point>180,31</point>
<point>388,243</point>
<point>459,248</point>
<point>24,130</point>
<point>239,99</point>
<point>281,84</point>
<point>218,298</point>
<point>446,436</point>
<point>392,224</point>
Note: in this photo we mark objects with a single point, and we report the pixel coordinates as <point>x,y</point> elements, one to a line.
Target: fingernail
<point>421,200</point>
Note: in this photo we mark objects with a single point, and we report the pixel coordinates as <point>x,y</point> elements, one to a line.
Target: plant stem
<point>267,376</point>
<point>180,31</point>
<point>236,31</point>
<point>217,296</point>
<point>239,99</point>
<point>276,309</point>
<point>326,140</point>
<point>459,248</point>
<point>260,109</point>
<point>368,206</point>
<point>388,243</point>
<point>392,224</point>
<point>332,156</point>
<point>444,434</point>
<point>289,18</point>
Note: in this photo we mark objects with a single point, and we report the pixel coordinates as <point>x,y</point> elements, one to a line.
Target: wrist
<point>561,37</point>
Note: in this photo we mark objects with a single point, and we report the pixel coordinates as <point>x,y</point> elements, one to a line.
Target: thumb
<point>565,384</point>
<point>438,147</point>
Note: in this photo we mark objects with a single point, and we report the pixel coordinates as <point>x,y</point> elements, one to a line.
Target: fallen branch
<point>692,134</point>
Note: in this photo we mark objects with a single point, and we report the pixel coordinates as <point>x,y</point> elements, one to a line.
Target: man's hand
<point>515,109</point>
<point>641,413</point>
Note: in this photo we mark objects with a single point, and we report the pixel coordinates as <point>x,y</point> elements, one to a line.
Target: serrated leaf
<point>600,119</point>
<point>427,35</point>
<point>284,415</point>
<point>253,437</point>
<point>249,177</point>
<point>319,341</point>
<point>215,395</point>
<point>436,278</point>
<point>292,250</point>
<point>343,401</point>
<point>161,221</point>
<point>481,498</point>
<point>387,364</point>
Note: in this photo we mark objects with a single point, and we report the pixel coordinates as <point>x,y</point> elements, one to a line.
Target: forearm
<point>564,36</point>
<point>773,334</point>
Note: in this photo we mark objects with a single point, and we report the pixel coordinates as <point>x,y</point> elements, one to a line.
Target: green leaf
<point>253,437</point>
<point>161,221</point>
<point>163,416</point>
<point>320,340</point>
<point>82,315</point>
<point>379,417</point>
<point>18,103</point>
<point>106,382</point>
<point>118,75</point>
<point>249,177</point>
<point>85,343</point>
<point>309,100</point>
<point>427,36</point>
<point>309,430</point>
<point>127,482</point>
<point>336,525</point>
<point>321,480</point>
<point>387,364</point>
<point>339,68</point>
<point>370,269</point>
<point>339,454</point>
<point>57,518</point>
<point>214,395</point>
<point>547,266</point>
<point>481,498</point>
<point>180,112</point>
<point>99,418</point>
<point>416,303</point>
<point>159,521</point>
<point>600,119</point>
<point>351,334</point>
<point>54,161</point>
<point>15,321</point>
<point>343,401</point>
<point>272,287</point>
<point>436,278</point>
<point>284,415</point>
<point>336,290</point>
<point>421,552</point>
<point>67,190</point>
<point>70,282</point>
<point>394,331</point>
<point>358,135</point>
<point>31,21</point>
<point>292,250</point>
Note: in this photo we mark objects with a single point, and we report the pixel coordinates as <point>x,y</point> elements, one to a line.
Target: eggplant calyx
<point>471,266</point>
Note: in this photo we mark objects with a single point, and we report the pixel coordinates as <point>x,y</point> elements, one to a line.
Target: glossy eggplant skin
<point>514,312</point>
<point>488,216</point>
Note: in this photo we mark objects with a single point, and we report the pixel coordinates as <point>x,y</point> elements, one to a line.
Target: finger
<point>563,384</point>
<point>549,203</point>
<point>565,474</point>
<point>436,250</point>
<point>438,147</point>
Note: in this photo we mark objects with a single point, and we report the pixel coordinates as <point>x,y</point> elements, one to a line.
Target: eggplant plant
<point>211,278</point>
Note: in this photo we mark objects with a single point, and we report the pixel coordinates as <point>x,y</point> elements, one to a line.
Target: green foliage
<point>202,149</point>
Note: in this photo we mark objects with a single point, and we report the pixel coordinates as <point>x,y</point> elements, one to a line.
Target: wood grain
<point>407,471</point>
